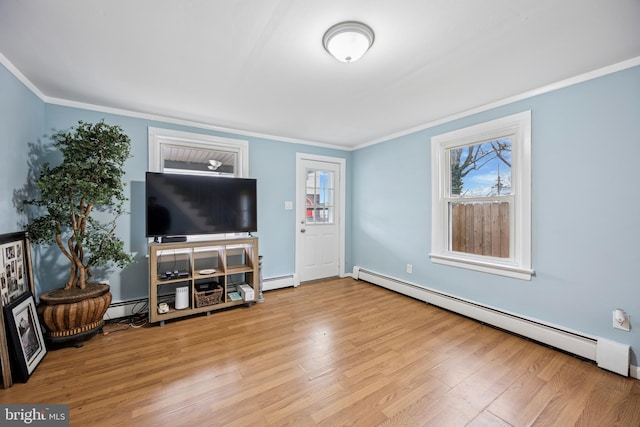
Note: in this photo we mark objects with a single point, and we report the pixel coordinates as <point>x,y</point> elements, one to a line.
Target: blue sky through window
<point>489,175</point>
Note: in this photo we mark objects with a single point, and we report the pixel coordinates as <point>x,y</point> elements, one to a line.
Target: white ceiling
<point>259,65</point>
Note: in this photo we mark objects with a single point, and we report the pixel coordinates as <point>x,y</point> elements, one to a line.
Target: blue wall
<point>21,122</point>
<point>585,215</point>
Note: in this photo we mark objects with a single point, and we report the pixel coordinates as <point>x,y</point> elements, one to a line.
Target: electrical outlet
<point>621,320</point>
<point>409,268</point>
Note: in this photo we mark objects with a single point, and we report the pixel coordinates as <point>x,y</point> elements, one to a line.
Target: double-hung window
<point>481,197</point>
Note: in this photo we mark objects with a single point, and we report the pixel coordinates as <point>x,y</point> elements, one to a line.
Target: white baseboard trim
<point>574,342</point>
<point>634,372</point>
<point>121,309</point>
<point>278,282</point>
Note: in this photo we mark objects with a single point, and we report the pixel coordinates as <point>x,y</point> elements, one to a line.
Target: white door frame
<point>341,213</point>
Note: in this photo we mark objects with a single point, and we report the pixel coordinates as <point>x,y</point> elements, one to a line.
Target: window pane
<point>480,228</point>
<point>319,197</point>
<point>311,206</point>
<point>326,197</point>
<point>196,161</point>
<point>481,170</point>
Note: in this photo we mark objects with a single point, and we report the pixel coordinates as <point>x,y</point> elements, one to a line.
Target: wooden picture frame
<point>24,336</point>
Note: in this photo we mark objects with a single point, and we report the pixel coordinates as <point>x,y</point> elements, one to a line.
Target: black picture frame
<point>24,336</point>
<point>15,266</point>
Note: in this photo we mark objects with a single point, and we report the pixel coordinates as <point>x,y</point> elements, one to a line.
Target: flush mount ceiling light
<point>348,41</point>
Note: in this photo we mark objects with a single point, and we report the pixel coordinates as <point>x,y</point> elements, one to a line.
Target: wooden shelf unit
<point>234,261</point>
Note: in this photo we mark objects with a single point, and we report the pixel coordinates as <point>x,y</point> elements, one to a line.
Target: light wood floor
<point>334,353</point>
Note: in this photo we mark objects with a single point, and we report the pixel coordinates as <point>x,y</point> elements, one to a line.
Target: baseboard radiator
<point>127,308</point>
<point>278,282</point>
<point>607,354</point>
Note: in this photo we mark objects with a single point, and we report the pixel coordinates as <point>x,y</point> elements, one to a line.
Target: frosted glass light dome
<point>348,41</point>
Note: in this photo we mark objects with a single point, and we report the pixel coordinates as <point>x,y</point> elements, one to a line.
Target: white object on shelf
<point>247,292</point>
<point>182,298</point>
<point>207,271</point>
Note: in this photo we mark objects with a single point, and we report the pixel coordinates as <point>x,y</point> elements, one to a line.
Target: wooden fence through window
<point>480,228</point>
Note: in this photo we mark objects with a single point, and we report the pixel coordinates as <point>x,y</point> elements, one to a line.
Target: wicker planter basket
<point>206,298</point>
<point>74,316</point>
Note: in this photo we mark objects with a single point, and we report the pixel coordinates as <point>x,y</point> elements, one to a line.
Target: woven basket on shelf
<point>206,298</point>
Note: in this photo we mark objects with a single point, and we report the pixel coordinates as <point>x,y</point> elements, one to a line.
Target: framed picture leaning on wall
<point>16,282</point>
<point>24,337</point>
<point>15,266</point>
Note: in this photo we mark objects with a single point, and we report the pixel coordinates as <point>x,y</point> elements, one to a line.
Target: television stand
<point>213,271</point>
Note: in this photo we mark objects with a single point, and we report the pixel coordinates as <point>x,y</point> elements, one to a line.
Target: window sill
<point>484,266</point>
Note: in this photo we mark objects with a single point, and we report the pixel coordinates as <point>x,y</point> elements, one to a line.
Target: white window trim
<point>519,265</point>
<point>158,137</point>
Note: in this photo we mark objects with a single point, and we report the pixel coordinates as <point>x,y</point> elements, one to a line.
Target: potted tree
<point>78,205</point>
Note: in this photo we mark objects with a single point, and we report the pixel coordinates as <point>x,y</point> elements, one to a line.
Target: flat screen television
<point>184,205</point>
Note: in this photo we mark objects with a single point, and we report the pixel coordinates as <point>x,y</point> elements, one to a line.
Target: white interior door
<point>319,213</point>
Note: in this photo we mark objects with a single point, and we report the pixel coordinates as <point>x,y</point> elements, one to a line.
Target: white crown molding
<point>185,122</point>
<point>535,92</point>
<point>146,116</point>
<point>633,62</point>
<point>21,77</point>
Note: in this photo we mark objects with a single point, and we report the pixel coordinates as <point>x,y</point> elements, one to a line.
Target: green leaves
<point>89,178</point>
